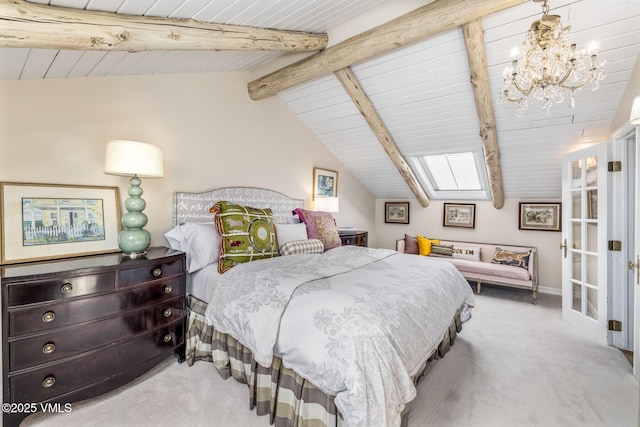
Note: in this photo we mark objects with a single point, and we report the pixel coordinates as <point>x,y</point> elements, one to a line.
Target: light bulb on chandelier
<point>550,67</point>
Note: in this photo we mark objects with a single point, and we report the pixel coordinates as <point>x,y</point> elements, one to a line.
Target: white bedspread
<point>356,322</point>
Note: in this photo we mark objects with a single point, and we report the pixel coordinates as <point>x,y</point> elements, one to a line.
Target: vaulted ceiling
<point>421,92</point>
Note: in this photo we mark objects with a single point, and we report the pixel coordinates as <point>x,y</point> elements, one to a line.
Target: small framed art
<point>396,212</point>
<point>48,221</point>
<point>325,183</point>
<point>459,215</point>
<point>540,216</point>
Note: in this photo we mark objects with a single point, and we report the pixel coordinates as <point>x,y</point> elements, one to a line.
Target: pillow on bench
<point>472,253</point>
<point>518,259</point>
<point>442,250</point>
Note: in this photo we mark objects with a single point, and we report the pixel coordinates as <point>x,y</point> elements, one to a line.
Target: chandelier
<point>550,67</point>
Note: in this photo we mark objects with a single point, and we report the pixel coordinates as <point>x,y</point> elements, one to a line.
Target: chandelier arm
<point>525,92</point>
<point>568,73</point>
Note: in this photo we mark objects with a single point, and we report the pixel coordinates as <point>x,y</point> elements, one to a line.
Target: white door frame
<point>621,212</point>
<point>624,298</point>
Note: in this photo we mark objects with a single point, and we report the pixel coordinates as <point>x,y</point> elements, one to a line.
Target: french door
<point>584,241</point>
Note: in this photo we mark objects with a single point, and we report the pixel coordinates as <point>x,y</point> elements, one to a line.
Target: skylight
<point>453,172</point>
<point>452,175</point>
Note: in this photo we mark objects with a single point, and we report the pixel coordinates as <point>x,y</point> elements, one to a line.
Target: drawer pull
<point>157,272</point>
<point>48,348</point>
<point>66,288</point>
<point>48,316</point>
<point>167,312</point>
<point>167,289</point>
<point>48,381</point>
<point>167,338</point>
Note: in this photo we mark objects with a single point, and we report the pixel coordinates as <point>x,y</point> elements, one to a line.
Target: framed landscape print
<point>540,216</point>
<point>459,215</point>
<point>396,212</point>
<point>48,221</point>
<point>325,183</point>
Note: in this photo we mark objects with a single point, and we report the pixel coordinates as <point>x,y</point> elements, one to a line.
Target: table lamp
<point>326,204</point>
<point>136,159</point>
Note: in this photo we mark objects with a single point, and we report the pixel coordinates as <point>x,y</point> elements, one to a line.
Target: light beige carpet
<point>514,364</point>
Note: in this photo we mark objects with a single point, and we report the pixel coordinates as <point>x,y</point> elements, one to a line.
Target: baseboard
<point>550,291</point>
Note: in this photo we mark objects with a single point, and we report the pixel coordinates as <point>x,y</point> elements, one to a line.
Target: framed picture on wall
<point>459,215</point>
<point>48,221</point>
<point>540,216</point>
<point>396,212</point>
<point>325,183</point>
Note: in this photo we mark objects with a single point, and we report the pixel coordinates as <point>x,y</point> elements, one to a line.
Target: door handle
<point>564,246</point>
<point>636,265</point>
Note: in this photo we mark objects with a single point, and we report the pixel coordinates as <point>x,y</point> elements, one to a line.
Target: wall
<point>211,133</point>
<point>491,226</point>
<point>631,91</point>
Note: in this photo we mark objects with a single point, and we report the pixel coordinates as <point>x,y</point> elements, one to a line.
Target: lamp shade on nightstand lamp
<point>135,159</point>
<point>634,119</point>
<point>326,204</point>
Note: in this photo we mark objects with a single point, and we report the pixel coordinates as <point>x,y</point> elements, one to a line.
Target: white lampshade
<point>634,119</point>
<point>130,158</point>
<point>326,204</point>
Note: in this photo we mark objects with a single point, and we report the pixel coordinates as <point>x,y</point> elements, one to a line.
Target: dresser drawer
<point>59,288</point>
<point>136,276</point>
<point>36,350</point>
<point>49,382</point>
<point>47,317</point>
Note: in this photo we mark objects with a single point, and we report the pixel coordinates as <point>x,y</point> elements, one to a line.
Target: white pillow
<point>467,252</point>
<point>290,232</point>
<point>199,241</point>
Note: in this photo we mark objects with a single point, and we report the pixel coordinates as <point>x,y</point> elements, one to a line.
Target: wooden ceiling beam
<point>479,76</point>
<point>434,18</point>
<point>368,111</point>
<point>31,25</point>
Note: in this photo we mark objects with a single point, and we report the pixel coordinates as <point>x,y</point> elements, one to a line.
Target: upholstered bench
<point>503,265</point>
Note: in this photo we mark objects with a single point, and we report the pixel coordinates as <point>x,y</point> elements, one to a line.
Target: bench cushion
<point>469,268</point>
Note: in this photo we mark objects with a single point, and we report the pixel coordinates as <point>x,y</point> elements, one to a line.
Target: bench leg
<point>535,296</point>
<point>479,283</point>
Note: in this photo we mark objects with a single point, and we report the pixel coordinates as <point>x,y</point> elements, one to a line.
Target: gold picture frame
<point>325,183</point>
<point>49,221</point>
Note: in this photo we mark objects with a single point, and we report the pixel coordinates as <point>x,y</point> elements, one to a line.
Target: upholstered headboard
<point>194,207</point>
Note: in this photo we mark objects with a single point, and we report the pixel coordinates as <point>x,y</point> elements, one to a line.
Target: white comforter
<point>357,322</point>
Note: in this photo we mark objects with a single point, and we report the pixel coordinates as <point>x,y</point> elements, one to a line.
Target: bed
<point>321,337</point>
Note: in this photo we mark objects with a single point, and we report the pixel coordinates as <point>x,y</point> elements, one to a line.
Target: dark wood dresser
<point>356,238</point>
<point>76,328</point>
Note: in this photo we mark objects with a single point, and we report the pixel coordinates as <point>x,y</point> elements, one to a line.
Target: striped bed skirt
<point>277,391</point>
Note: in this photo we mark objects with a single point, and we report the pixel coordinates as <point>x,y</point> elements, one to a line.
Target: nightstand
<point>355,238</point>
<point>79,327</point>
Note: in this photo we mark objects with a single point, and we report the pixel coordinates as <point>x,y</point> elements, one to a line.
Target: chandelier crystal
<point>551,67</point>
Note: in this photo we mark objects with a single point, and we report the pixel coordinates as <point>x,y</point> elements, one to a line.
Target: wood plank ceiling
<point>421,92</point>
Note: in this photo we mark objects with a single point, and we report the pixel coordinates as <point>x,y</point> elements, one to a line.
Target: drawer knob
<point>48,348</point>
<point>48,316</point>
<point>66,288</point>
<point>167,312</point>
<point>157,272</point>
<point>167,289</point>
<point>167,338</point>
<point>48,381</point>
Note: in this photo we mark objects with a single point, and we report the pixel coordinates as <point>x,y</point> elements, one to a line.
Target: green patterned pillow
<point>246,234</point>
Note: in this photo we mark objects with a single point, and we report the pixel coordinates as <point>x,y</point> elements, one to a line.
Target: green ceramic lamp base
<point>134,240</point>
